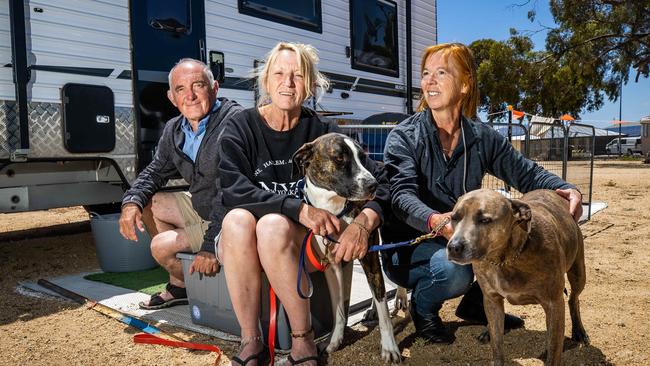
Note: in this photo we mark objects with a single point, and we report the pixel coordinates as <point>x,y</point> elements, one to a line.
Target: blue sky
<point>468,20</point>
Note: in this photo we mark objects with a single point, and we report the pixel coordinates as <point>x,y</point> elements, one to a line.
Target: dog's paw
<point>580,336</point>
<point>484,337</point>
<point>391,356</point>
<point>334,345</point>
<point>370,315</point>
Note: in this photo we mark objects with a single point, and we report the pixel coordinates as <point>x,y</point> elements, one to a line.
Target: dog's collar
<point>510,260</point>
<point>302,185</point>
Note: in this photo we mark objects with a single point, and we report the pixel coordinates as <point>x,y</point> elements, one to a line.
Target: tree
<point>498,70</point>
<point>602,38</point>
<point>588,56</point>
<point>508,73</point>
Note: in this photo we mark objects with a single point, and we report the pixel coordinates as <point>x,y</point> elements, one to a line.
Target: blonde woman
<point>267,223</point>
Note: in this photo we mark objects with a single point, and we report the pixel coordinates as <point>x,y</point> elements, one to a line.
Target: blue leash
<point>302,268</point>
<point>380,247</point>
<point>434,233</point>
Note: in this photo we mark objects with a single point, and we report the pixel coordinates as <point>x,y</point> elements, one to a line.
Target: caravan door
<point>162,32</point>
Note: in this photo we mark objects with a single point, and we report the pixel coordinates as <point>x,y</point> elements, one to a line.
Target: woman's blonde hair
<point>315,82</point>
<point>463,58</point>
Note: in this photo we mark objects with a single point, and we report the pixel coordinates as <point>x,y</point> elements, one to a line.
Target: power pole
<point>620,115</point>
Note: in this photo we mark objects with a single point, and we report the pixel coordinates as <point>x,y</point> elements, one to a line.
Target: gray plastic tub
<point>210,305</point>
<point>116,254</point>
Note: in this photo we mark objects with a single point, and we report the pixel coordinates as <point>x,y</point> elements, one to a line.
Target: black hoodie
<point>255,170</point>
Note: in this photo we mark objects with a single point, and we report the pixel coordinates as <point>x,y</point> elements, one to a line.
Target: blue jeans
<point>424,268</point>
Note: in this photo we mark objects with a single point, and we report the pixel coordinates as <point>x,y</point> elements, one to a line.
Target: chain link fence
<point>566,151</point>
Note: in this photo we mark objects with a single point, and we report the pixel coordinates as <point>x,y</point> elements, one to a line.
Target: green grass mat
<point>148,282</point>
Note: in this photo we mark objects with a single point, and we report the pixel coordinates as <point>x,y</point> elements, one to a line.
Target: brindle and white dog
<point>334,178</point>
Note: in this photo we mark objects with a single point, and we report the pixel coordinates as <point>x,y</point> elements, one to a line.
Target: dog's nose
<point>372,186</point>
<point>455,247</point>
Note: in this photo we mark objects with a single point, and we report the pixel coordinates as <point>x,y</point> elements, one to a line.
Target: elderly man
<point>185,221</point>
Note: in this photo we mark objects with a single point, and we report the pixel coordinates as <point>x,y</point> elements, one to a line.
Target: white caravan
<point>83,83</point>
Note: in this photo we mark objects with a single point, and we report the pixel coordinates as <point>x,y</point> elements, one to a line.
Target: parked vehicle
<point>83,88</point>
<point>624,145</point>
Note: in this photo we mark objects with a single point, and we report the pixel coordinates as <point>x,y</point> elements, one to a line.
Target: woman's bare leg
<point>278,245</point>
<point>241,265</point>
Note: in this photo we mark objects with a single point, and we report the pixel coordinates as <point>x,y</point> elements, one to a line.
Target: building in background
<point>645,135</point>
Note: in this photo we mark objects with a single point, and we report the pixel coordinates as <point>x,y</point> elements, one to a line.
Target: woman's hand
<point>319,221</point>
<point>353,243</point>
<point>436,219</point>
<point>575,201</point>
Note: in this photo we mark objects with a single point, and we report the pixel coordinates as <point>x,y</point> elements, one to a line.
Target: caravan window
<point>373,32</point>
<point>305,14</point>
<point>169,15</point>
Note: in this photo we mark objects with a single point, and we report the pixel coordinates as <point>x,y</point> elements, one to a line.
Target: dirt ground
<point>615,303</point>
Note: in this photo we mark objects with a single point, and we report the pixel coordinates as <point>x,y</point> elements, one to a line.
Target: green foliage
<point>602,38</point>
<point>508,72</point>
<point>587,58</point>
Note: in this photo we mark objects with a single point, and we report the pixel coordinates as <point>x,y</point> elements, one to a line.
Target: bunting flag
<point>517,114</point>
<point>566,117</point>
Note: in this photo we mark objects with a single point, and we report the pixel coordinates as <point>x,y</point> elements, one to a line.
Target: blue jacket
<point>422,182</point>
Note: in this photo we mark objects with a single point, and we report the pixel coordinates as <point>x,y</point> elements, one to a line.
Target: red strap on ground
<point>272,324</point>
<point>152,339</point>
<point>312,256</point>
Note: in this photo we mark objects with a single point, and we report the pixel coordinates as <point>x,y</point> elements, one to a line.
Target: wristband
<point>363,228</point>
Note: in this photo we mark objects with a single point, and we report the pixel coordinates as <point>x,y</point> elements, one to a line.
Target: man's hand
<point>130,218</point>
<point>575,201</point>
<point>319,221</point>
<point>434,220</point>
<point>205,263</point>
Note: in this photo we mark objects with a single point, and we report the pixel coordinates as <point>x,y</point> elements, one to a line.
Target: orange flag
<point>566,117</point>
<point>517,114</point>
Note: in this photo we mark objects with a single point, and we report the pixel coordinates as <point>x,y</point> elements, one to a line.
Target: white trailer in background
<point>83,83</point>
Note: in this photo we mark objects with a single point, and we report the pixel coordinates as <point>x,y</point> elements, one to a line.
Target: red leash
<point>152,339</point>
<point>272,324</point>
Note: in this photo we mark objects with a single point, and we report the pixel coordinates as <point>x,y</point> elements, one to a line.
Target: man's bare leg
<point>171,238</point>
<point>149,223</point>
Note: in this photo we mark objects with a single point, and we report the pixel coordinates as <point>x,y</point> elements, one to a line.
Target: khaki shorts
<point>195,226</point>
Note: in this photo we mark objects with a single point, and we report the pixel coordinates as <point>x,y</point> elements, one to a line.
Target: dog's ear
<point>522,213</point>
<point>301,159</point>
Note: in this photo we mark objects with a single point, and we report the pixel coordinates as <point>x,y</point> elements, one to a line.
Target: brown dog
<point>520,250</point>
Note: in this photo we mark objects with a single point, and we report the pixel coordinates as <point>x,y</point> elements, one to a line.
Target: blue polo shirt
<point>193,139</point>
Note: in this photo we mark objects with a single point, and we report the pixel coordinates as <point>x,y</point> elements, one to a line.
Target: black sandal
<point>303,360</point>
<point>179,297</point>
<point>261,357</point>
<point>300,361</point>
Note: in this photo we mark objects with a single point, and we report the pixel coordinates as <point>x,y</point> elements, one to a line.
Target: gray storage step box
<point>116,254</point>
<point>210,305</point>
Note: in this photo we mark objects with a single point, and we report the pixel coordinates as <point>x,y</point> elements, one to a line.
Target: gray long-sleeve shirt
<point>422,182</point>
